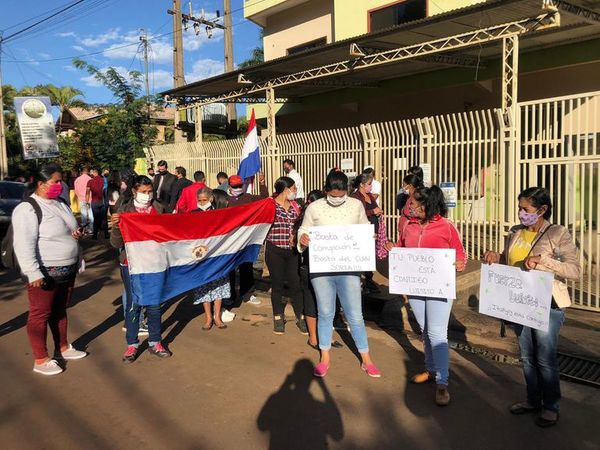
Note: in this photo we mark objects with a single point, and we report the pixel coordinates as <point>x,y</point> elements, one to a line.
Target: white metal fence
<point>559,149</point>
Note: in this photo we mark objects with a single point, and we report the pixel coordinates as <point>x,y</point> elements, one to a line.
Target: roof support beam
<point>548,19</point>
<point>587,15</point>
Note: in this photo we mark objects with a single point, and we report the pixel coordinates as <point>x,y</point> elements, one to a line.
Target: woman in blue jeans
<point>337,209</point>
<point>538,244</point>
<point>429,228</point>
<point>139,200</point>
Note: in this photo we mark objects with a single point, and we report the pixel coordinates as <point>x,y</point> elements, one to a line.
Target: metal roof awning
<point>579,20</point>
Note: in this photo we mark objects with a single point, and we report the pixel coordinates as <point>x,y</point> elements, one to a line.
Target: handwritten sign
<point>426,272</point>
<point>516,295</point>
<point>342,248</point>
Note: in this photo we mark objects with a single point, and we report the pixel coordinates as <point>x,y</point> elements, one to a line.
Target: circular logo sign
<point>34,108</point>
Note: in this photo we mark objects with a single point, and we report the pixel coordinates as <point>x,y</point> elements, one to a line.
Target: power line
<point>33,17</point>
<point>9,37</point>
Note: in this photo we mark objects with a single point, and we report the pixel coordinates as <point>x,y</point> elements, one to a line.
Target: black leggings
<point>283,267</point>
<point>100,219</point>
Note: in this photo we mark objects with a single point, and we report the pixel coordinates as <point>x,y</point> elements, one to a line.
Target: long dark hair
<point>433,201</point>
<point>363,178</point>
<point>219,199</point>
<point>43,175</point>
<point>311,197</point>
<point>413,180</point>
<point>282,184</point>
<point>135,183</point>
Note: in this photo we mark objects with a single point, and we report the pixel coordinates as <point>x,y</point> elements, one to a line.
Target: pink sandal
<point>321,370</point>
<point>371,370</point>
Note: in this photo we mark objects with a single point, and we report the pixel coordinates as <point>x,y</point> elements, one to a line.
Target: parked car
<point>11,194</point>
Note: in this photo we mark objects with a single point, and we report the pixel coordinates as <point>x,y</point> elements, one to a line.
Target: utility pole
<point>180,21</point>
<point>231,112</point>
<point>3,150</point>
<point>144,41</point>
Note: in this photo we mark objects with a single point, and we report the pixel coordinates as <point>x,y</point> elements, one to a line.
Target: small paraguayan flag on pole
<point>250,161</point>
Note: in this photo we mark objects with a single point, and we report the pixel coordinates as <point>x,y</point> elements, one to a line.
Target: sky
<point>106,33</point>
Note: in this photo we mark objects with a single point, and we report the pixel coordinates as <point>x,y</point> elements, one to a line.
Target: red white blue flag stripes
<point>250,160</point>
<point>169,254</point>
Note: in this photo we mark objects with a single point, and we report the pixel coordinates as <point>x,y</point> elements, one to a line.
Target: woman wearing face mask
<point>47,251</point>
<point>429,228</point>
<point>138,199</point>
<point>281,259</point>
<point>410,184</point>
<point>362,191</point>
<point>214,292</point>
<point>337,209</point>
<point>538,244</point>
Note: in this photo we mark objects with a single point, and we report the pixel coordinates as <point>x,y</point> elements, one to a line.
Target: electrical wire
<point>34,17</point>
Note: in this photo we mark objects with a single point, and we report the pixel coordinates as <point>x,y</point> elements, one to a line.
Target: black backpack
<point>9,259</point>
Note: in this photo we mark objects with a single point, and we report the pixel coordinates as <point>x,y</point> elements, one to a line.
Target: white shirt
<point>294,175</point>
<point>376,190</point>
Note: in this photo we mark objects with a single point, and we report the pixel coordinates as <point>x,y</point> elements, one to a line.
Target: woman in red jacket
<point>428,228</point>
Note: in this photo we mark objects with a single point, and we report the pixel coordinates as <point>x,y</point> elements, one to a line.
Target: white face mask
<point>236,192</point>
<point>205,206</point>
<point>336,201</point>
<point>291,196</point>
<point>143,199</point>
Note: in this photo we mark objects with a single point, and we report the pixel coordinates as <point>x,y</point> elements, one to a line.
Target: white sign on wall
<point>342,248</point>
<point>347,164</point>
<point>36,125</point>
<point>449,190</point>
<point>426,174</point>
<point>425,272</point>
<point>516,295</point>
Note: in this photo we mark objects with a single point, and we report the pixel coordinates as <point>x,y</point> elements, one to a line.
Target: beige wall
<point>351,16</point>
<point>298,25</point>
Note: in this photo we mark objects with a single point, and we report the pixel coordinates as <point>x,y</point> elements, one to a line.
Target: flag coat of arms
<point>169,254</point>
<point>250,160</point>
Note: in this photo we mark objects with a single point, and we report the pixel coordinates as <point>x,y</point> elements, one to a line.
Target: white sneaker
<point>71,353</point>
<point>49,367</point>
<point>227,316</point>
<point>253,300</point>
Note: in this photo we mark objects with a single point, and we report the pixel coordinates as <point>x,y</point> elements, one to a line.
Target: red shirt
<point>96,186</point>
<point>188,201</point>
<point>437,233</point>
<point>282,228</point>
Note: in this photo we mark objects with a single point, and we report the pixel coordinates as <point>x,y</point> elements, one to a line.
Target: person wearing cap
<point>237,197</point>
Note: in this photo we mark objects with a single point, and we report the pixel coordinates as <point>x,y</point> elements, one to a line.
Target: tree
<point>120,135</point>
<point>63,97</point>
<point>257,55</point>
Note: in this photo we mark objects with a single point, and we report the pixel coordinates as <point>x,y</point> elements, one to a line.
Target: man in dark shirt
<point>180,184</point>
<point>238,197</point>
<point>163,184</point>
<point>95,196</point>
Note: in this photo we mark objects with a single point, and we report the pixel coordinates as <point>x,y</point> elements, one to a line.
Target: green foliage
<point>257,55</point>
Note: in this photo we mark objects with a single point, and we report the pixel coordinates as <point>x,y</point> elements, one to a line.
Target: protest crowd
<point>125,208</point>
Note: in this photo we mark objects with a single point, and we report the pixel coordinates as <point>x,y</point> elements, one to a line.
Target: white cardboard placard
<point>516,295</point>
<point>342,248</point>
<point>428,272</point>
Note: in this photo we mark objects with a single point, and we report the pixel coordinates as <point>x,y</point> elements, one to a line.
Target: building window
<point>397,13</point>
<point>307,45</point>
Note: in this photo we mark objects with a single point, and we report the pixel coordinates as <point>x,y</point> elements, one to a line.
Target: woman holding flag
<point>140,199</point>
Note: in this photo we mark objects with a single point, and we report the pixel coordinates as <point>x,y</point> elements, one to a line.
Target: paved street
<point>244,387</point>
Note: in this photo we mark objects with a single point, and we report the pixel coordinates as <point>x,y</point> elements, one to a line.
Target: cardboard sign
<point>428,272</point>
<point>516,295</point>
<point>342,248</point>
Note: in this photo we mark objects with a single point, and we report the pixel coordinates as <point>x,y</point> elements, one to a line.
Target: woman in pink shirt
<point>429,228</point>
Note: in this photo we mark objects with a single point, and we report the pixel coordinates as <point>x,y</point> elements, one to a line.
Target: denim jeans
<point>347,287</point>
<point>433,315</point>
<point>124,296</point>
<point>87,218</point>
<point>540,362</point>
<point>133,314</point>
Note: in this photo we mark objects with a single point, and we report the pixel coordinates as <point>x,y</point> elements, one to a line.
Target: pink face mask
<point>54,190</point>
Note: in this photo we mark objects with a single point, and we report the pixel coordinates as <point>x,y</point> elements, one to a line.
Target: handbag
<point>381,240</point>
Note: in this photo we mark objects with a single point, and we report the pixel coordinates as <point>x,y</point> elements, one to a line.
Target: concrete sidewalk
<point>245,387</point>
